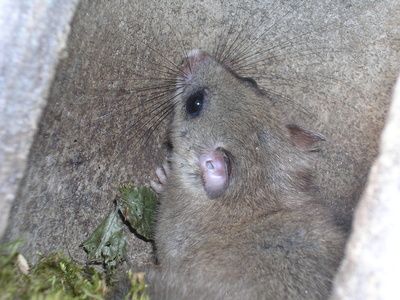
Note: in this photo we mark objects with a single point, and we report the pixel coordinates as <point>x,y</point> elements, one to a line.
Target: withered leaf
<point>108,242</point>
<point>138,206</point>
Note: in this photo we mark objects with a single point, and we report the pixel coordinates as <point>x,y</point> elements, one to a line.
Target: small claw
<point>156,186</point>
<point>162,174</point>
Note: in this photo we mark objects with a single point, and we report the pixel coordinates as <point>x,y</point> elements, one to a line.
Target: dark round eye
<point>194,103</point>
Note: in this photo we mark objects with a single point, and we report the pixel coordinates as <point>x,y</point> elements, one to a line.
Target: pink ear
<point>215,171</point>
<point>305,139</point>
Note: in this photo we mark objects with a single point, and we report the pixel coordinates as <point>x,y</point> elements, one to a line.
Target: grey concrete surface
<point>333,63</point>
<point>32,39</point>
<point>372,265</point>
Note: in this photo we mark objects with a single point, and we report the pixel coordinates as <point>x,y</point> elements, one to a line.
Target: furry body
<point>265,234</point>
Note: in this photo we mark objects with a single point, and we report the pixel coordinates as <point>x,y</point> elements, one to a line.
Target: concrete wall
<point>32,40</point>
<point>372,264</point>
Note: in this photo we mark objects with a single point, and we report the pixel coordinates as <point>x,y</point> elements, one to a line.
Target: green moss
<point>138,289</point>
<point>58,277</point>
<point>54,277</point>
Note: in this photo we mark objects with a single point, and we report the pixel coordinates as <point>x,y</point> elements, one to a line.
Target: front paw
<point>162,174</point>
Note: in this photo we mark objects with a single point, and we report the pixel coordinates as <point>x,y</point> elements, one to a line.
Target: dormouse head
<point>227,135</point>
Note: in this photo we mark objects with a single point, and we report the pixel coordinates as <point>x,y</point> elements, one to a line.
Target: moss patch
<point>54,277</point>
<point>58,277</point>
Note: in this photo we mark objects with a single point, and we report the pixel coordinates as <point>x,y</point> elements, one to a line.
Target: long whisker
<point>244,46</point>
<point>239,43</point>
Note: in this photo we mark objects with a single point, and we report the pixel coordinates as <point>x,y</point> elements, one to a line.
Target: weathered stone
<point>371,267</point>
<point>32,39</point>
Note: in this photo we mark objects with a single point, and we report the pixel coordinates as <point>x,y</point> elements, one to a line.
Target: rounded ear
<point>305,139</point>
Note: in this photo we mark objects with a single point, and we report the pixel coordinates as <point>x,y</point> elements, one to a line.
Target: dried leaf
<point>138,206</point>
<point>108,242</point>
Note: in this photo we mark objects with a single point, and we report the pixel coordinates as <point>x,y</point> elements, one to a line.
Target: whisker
<point>243,48</point>
<point>288,43</point>
<point>285,56</point>
<point>234,47</point>
<point>219,54</point>
<point>159,121</point>
<point>175,67</point>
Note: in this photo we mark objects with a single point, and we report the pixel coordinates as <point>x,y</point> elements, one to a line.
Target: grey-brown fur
<point>267,236</point>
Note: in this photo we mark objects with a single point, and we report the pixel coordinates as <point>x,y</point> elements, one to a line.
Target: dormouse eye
<point>194,103</point>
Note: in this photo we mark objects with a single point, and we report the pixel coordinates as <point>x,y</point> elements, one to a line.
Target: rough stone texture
<point>333,62</point>
<point>371,268</point>
<point>32,37</point>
